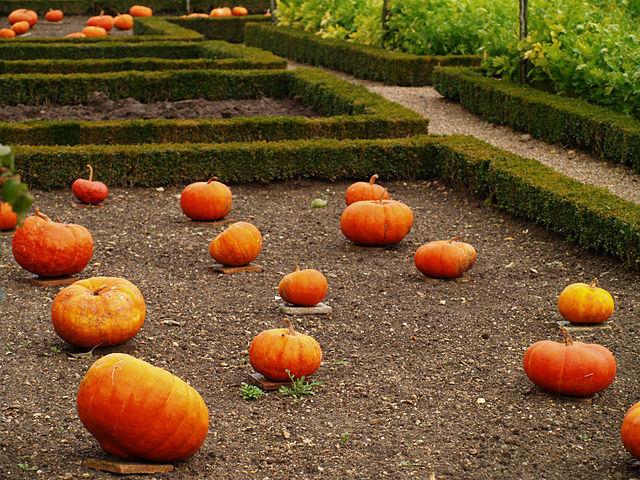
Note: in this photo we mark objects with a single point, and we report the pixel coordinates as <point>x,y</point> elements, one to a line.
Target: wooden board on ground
<point>583,327</point>
<point>126,468</point>
<point>319,309</point>
<point>264,383</point>
<point>214,222</point>
<point>50,282</point>
<point>86,205</point>
<point>252,267</point>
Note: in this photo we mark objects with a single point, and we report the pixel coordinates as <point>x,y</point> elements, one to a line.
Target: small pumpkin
<point>376,222</point>
<point>366,191</point>
<point>7,33</point>
<point>102,20</point>
<point>8,218</point>
<point>75,35</point>
<point>140,11</point>
<point>197,15</point>
<point>206,201</point>
<point>53,15</point>
<point>138,411</point>
<point>102,311</point>
<point>20,28</point>
<point>123,21</point>
<point>237,245</point>
<point>89,191</point>
<point>239,11</point>
<point>630,430</point>
<point>569,368</point>
<point>273,352</point>
<point>582,303</point>
<point>51,249</point>
<point>445,258</point>
<point>304,288</point>
<point>92,31</point>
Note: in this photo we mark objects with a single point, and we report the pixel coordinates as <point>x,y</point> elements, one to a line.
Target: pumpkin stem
<point>567,338</point>
<point>212,179</point>
<point>291,330</point>
<point>594,283</point>
<point>42,215</point>
<point>385,192</point>
<point>454,239</point>
<point>297,268</point>
<point>90,172</point>
<point>373,179</point>
<point>97,292</point>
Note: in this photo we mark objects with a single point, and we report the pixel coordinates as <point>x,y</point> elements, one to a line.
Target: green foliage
<point>12,190</point>
<point>299,388</point>
<point>250,392</point>
<point>229,29</point>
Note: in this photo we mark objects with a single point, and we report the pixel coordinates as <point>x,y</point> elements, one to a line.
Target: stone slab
<point>583,327</point>
<point>319,309</point>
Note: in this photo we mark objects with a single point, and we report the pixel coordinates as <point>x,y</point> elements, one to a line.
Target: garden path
<point>448,117</point>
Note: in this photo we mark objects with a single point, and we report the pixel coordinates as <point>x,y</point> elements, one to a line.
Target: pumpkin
<point>138,411</point>
<point>92,31</point>
<point>51,249</point>
<point>582,303</point>
<point>220,12</point>
<point>102,20</point>
<point>140,11</point>
<point>197,15</point>
<point>305,288</point>
<point>273,352</point>
<point>239,11</point>
<point>206,201</point>
<point>630,430</point>
<point>445,258</point>
<point>7,33</point>
<point>569,368</point>
<point>75,35</point>
<point>376,222</point>
<point>123,21</point>
<point>23,15</point>
<point>89,191</point>
<point>102,311</point>
<point>366,191</point>
<point>20,27</point>
<point>8,218</point>
<point>53,15</point>
<point>239,244</point>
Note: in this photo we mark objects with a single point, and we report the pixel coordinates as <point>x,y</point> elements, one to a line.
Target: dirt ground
<point>68,24</point>
<point>421,378</point>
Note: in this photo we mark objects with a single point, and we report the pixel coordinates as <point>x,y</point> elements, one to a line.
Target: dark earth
<point>421,378</point>
<point>68,24</point>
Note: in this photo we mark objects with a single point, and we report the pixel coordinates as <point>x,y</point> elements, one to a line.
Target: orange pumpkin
<point>569,368</point>
<point>75,35</point>
<point>141,412</point>
<point>123,22</point>
<point>7,33</point>
<point>445,258</point>
<point>51,249</point>
<point>20,27</point>
<point>305,288</point>
<point>366,191</point>
<point>23,15</point>
<point>630,430</point>
<point>239,244</point>
<point>239,11</point>
<point>582,303</point>
<point>220,12</point>
<point>277,350</point>
<point>92,31</point>
<point>8,218</point>
<point>376,222</point>
<point>100,311</point>
<point>140,11</point>
<point>53,15</point>
<point>197,15</point>
<point>206,201</point>
<point>102,20</point>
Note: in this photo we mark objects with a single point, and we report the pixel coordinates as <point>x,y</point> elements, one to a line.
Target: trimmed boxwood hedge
<point>394,68</point>
<point>229,29</point>
<point>555,119</point>
<point>587,215</point>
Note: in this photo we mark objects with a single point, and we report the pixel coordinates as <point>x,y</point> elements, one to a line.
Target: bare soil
<point>68,24</point>
<point>420,377</point>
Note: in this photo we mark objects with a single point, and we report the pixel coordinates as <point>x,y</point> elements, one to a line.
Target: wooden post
<point>273,4</point>
<point>524,5</point>
<point>188,5</point>
<point>385,18</point>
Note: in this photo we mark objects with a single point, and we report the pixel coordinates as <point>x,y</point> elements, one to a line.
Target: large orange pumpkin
<point>8,218</point>
<point>206,201</point>
<point>141,412</point>
<point>630,430</point>
<point>305,288</point>
<point>582,303</point>
<point>23,15</point>
<point>51,249</point>
<point>569,368</point>
<point>140,11</point>
<point>239,244</point>
<point>366,191</point>
<point>376,222</point>
<point>445,258</point>
<point>100,311</point>
<point>273,352</point>
<point>102,20</point>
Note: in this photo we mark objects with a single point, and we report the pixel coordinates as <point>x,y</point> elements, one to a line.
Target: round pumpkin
<point>304,288</point>
<point>8,218</point>
<point>7,33</point>
<point>141,412</point>
<point>445,258</point>
<point>569,368</point>
<point>376,222</point>
<point>92,31</point>
<point>75,35</point>
<point>123,22</point>
<point>51,249</point>
<point>98,311</point>
<point>23,15</point>
<point>20,28</point>
<point>206,201</point>
<point>582,303</point>
<point>273,352</point>
<point>220,12</point>
<point>630,430</point>
<point>89,191</point>
<point>140,11</point>
<point>239,244</point>
<point>102,20</point>
<point>366,191</point>
<point>53,15</point>
<point>239,11</point>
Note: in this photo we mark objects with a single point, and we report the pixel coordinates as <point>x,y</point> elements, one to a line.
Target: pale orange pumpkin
<point>445,258</point>
<point>8,218</point>
<point>7,33</point>
<point>75,35</point>
<point>304,288</point>
<point>20,28</point>
<point>123,21</point>
<point>239,244</point>
<point>366,191</point>
<point>582,303</point>
<point>140,11</point>
<point>92,31</point>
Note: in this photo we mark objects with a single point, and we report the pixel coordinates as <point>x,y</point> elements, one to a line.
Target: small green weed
<point>55,349</point>
<point>298,387</point>
<point>250,392</point>
<point>25,466</point>
<point>344,437</point>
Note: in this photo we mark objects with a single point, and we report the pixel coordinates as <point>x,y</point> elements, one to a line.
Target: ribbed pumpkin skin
<point>577,369</point>
<point>274,351</point>
<point>8,218</point>
<point>101,311</point>
<point>238,245</point>
<point>51,249</point>
<point>360,191</point>
<point>444,258</point>
<point>305,288</point>
<point>375,222</point>
<point>206,201</point>
<point>630,430</point>
<point>582,303</point>
<point>141,412</point>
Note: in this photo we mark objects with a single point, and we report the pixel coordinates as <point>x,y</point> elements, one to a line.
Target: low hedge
<point>394,68</point>
<point>350,111</point>
<point>229,29</point>
<point>589,216</point>
<point>555,119</point>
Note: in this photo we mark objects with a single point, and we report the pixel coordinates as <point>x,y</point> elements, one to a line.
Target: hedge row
<point>394,68</point>
<point>229,29</point>
<point>350,111</point>
<point>586,215</point>
<point>555,119</point>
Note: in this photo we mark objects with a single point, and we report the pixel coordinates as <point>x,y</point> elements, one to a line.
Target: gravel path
<point>447,117</point>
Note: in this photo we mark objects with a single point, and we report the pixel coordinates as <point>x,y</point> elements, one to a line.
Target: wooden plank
<point>252,267</point>
<point>126,468</point>
<point>86,205</point>
<point>264,383</point>
<point>50,282</point>
<point>212,223</point>
<point>584,327</point>
<point>319,309</point>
